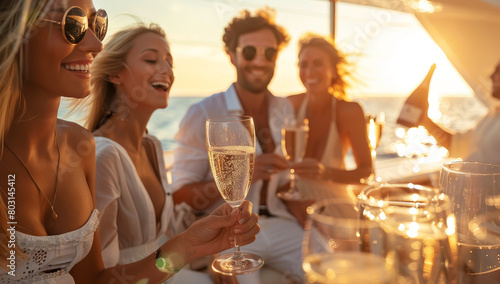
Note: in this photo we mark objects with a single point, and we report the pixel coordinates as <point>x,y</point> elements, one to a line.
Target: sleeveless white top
<point>332,155</point>
<point>49,259</point>
<point>332,158</point>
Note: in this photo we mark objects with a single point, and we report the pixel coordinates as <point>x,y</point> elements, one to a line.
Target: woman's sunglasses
<point>249,52</point>
<point>75,24</point>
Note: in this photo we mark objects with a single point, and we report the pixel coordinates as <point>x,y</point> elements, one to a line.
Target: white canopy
<point>468,32</point>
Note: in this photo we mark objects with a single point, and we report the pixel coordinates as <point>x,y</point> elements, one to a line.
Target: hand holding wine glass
<point>231,150</point>
<point>294,136</point>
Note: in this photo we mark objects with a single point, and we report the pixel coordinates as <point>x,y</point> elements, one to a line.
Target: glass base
<point>226,264</point>
<point>290,195</point>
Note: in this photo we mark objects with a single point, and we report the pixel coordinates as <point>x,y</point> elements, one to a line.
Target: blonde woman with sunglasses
<point>47,165</point>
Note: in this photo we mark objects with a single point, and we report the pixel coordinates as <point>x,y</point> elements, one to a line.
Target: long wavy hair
<point>18,24</point>
<point>19,18</point>
<point>337,60</point>
<point>110,61</point>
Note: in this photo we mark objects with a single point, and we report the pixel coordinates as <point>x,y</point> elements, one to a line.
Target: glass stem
<point>292,180</point>
<point>237,252</point>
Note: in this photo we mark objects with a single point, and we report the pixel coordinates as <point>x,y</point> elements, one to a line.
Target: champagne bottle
<point>417,103</point>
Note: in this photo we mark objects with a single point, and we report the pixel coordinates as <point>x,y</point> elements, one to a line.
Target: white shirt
<point>191,162</point>
<point>480,143</point>
<point>128,230</point>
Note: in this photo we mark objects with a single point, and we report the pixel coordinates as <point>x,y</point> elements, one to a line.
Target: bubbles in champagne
<point>232,167</point>
<point>294,142</point>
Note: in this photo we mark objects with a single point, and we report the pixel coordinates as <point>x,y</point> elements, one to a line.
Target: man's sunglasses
<point>249,52</point>
<point>75,24</point>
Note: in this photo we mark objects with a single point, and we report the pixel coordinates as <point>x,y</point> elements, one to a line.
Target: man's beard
<point>255,86</point>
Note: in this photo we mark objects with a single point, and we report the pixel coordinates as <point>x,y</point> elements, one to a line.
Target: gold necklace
<point>54,214</point>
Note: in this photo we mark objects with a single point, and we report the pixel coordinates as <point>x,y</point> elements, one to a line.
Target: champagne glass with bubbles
<point>231,150</point>
<point>294,136</point>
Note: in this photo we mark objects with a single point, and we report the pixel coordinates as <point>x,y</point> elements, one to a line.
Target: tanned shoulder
<point>78,139</point>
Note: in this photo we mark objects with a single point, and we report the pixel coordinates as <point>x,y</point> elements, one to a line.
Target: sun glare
<point>391,50</point>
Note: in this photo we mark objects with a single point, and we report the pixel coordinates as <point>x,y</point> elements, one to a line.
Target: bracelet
<point>163,263</point>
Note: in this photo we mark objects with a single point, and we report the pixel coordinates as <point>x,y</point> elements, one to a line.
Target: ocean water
<point>458,114</point>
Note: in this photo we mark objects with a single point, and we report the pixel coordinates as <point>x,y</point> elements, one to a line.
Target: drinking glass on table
<point>423,226</point>
<point>474,190</point>
<point>231,150</point>
<point>294,136</point>
<point>341,245</point>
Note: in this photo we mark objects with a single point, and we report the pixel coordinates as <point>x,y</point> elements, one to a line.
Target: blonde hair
<point>108,62</point>
<point>337,60</point>
<point>17,25</point>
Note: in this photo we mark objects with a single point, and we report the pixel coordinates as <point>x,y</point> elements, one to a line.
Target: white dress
<point>49,259</point>
<point>332,155</point>
<point>128,229</point>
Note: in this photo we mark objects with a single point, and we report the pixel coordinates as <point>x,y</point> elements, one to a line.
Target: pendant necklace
<point>54,214</point>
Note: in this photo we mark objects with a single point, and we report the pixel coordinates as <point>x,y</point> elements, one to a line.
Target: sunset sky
<point>390,51</point>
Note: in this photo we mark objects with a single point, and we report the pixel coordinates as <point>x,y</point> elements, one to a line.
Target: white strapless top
<point>49,259</point>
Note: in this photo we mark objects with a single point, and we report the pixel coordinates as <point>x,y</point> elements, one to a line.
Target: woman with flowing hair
<point>46,49</point>
<point>336,125</point>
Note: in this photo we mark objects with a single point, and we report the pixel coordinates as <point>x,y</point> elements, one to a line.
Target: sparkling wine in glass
<point>294,136</point>
<point>231,151</point>
<point>374,127</point>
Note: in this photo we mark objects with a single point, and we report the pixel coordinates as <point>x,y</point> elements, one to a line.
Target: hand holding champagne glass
<point>294,136</point>
<point>231,150</point>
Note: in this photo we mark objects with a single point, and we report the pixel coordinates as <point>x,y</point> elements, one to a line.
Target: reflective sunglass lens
<point>271,53</point>
<point>249,52</point>
<point>101,24</point>
<point>75,25</point>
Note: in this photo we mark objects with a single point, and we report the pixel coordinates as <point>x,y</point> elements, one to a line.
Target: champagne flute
<point>374,128</point>
<point>294,136</point>
<point>231,150</point>
<point>474,190</point>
